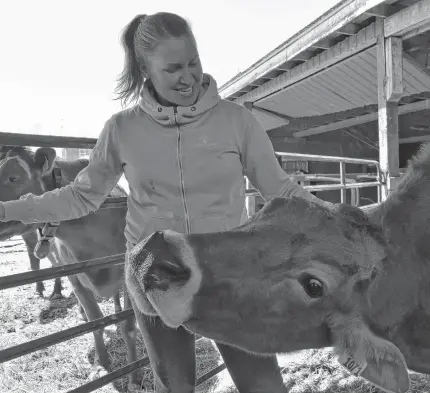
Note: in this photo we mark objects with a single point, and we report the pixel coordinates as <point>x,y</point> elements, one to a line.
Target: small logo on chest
<point>205,142</point>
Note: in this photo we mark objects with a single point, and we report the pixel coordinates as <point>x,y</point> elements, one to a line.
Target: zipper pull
<point>175,113</point>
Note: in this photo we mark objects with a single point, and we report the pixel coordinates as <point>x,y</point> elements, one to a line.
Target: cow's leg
<point>56,293</point>
<point>171,353</point>
<point>35,266</point>
<point>83,316</point>
<point>89,303</point>
<point>55,261</point>
<point>128,332</point>
<point>252,373</point>
<point>30,240</point>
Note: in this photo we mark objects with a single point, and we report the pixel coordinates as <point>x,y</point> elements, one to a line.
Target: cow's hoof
<point>147,387</point>
<point>134,387</point>
<point>82,318</point>
<point>97,371</point>
<point>56,296</point>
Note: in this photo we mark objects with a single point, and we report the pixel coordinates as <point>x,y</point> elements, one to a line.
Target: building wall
<point>74,154</point>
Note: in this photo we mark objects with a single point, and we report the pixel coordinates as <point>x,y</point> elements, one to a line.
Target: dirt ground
<point>25,316</point>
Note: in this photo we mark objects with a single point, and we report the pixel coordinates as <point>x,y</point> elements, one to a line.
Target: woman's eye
<point>13,179</point>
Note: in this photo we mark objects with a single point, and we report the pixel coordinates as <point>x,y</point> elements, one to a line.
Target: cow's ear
<point>374,359</point>
<point>44,158</point>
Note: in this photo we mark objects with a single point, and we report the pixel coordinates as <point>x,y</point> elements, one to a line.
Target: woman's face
<point>175,71</point>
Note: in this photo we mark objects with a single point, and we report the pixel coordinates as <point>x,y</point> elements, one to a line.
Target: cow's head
<point>295,276</point>
<point>22,172</point>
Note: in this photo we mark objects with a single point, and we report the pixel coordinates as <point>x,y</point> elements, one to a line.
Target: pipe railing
<point>343,184</point>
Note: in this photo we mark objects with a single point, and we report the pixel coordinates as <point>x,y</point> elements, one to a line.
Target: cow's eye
<point>313,287</point>
<point>13,179</point>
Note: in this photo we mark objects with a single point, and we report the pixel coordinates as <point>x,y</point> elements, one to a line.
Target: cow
<point>298,275</point>
<point>97,235</point>
<point>30,239</point>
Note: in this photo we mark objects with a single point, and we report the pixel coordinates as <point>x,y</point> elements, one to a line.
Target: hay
<point>24,316</point>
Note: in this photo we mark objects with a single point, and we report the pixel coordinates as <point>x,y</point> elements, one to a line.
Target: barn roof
<point>330,67</point>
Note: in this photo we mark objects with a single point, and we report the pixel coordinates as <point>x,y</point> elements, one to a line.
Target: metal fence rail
<point>16,280</point>
<point>61,336</point>
<point>20,279</point>
<point>343,184</point>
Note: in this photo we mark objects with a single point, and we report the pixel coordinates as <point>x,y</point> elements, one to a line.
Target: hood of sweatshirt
<point>165,115</point>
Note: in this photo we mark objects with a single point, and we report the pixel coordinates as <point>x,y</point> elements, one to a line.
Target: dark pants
<point>172,356</point>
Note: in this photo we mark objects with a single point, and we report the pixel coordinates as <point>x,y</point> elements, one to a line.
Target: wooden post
<point>250,200</point>
<point>390,90</point>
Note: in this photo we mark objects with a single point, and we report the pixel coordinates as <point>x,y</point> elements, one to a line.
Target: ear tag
<point>387,375</point>
<point>45,165</point>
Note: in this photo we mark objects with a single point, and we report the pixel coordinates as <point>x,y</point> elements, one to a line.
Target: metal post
<point>343,182</point>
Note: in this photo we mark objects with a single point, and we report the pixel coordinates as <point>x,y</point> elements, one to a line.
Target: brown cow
<point>96,235</point>
<point>298,276</point>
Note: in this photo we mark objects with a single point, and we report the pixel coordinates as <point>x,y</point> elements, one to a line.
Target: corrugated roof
<point>349,84</point>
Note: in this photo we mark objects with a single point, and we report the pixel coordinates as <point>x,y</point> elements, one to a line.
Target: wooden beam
<point>251,107</point>
<point>381,11</point>
<point>304,56</point>
<point>394,69</point>
<point>326,43</point>
<point>355,121</point>
<point>415,139</point>
<point>349,29</point>
<point>389,92</point>
<point>8,138</point>
<point>411,21</point>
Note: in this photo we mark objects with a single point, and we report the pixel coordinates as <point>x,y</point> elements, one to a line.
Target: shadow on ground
<point>57,309</point>
<point>207,358</point>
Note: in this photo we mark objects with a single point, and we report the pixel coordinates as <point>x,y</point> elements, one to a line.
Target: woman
<point>184,152</point>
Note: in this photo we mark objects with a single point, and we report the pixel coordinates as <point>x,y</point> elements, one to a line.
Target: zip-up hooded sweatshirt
<point>185,167</point>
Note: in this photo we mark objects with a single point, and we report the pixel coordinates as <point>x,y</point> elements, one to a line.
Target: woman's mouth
<point>187,92</point>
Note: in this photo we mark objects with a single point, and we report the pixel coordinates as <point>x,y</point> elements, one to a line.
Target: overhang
<point>330,66</point>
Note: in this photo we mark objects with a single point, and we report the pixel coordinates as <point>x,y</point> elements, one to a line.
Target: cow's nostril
<point>162,267</point>
<point>164,272</point>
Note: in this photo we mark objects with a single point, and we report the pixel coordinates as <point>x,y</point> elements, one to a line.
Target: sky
<point>59,60</point>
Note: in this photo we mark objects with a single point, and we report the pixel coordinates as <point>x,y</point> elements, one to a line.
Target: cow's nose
<point>159,265</point>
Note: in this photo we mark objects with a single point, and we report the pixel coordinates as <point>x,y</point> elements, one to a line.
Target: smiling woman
<point>162,50</point>
<point>184,152</point>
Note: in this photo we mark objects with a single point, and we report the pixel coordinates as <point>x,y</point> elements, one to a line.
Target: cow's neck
<point>54,179</point>
<point>398,297</point>
<point>46,232</point>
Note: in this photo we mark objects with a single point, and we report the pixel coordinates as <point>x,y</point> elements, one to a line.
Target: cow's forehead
<point>296,214</point>
<point>23,153</point>
<point>16,161</point>
<point>329,233</point>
